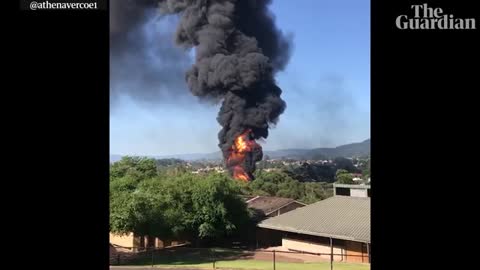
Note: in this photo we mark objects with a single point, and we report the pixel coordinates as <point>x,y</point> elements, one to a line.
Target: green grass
<point>265,265</point>
<point>232,259</point>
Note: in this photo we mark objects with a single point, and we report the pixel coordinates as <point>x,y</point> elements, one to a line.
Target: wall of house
<point>359,193</point>
<point>268,238</point>
<point>137,243</point>
<point>122,240</point>
<point>348,251</point>
<point>314,247</point>
<point>356,252</point>
<point>160,243</point>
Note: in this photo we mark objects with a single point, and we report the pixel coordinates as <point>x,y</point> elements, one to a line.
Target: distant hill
<point>347,150</point>
<point>198,156</point>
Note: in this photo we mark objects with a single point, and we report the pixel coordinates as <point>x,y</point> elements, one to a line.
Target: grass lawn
<point>265,265</point>
<point>233,260</point>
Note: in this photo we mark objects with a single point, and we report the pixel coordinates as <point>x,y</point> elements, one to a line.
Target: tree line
<point>166,200</point>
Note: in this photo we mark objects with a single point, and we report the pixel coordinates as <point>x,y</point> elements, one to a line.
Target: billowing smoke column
<point>145,64</point>
<point>238,49</point>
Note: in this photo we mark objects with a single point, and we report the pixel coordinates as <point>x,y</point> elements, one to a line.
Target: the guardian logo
<point>425,17</point>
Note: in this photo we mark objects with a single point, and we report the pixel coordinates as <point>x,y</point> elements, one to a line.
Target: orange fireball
<point>241,146</point>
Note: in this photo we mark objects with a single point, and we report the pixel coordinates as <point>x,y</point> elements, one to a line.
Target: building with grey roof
<point>340,224</point>
<point>269,206</point>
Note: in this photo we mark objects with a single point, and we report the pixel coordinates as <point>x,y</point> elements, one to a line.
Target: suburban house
<point>133,243</point>
<point>361,191</point>
<point>339,225</point>
<point>267,206</point>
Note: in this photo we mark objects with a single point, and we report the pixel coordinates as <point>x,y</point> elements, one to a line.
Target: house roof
<point>339,217</point>
<point>267,204</point>
<point>248,197</point>
<point>351,186</point>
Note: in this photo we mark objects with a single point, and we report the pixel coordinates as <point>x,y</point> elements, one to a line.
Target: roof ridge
<point>283,205</point>
<point>252,199</point>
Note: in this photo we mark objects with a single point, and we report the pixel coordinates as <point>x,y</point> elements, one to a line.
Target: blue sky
<point>326,86</point>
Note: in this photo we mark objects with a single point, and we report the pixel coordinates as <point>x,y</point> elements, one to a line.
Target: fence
<point>223,258</point>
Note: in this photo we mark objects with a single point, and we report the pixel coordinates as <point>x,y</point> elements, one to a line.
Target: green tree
<point>343,177</point>
<point>366,170</point>
<point>281,184</point>
<point>314,192</point>
<point>340,172</point>
<point>125,207</point>
<point>269,183</point>
<point>137,167</point>
<point>181,205</point>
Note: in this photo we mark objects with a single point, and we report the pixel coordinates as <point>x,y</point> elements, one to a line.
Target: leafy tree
<point>168,162</point>
<point>344,177</point>
<point>271,183</point>
<point>181,205</point>
<point>304,173</point>
<point>314,192</point>
<point>280,184</point>
<point>340,172</point>
<point>312,173</point>
<point>366,170</point>
<point>137,167</point>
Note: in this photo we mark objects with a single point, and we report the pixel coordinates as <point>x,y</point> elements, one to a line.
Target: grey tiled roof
<point>340,217</point>
<point>267,204</point>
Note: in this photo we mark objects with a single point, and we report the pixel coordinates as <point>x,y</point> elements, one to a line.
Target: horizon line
<point>206,153</point>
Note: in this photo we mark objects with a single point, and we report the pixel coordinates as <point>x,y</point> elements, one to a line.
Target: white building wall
<point>358,192</point>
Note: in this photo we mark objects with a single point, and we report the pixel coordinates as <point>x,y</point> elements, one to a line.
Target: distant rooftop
<point>351,190</point>
<point>352,186</point>
<point>267,204</point>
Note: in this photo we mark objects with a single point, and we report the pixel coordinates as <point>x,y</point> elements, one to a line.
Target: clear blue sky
<point>326,86</point>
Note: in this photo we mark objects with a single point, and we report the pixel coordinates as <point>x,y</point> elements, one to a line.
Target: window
<point>342,191</point>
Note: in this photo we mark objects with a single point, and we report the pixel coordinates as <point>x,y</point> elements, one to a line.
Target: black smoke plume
<point>146,65</point>
<point>238,50</point>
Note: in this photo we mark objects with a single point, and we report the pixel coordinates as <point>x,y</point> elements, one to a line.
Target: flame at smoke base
<point>238,51</point>
<point>242,147</point>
